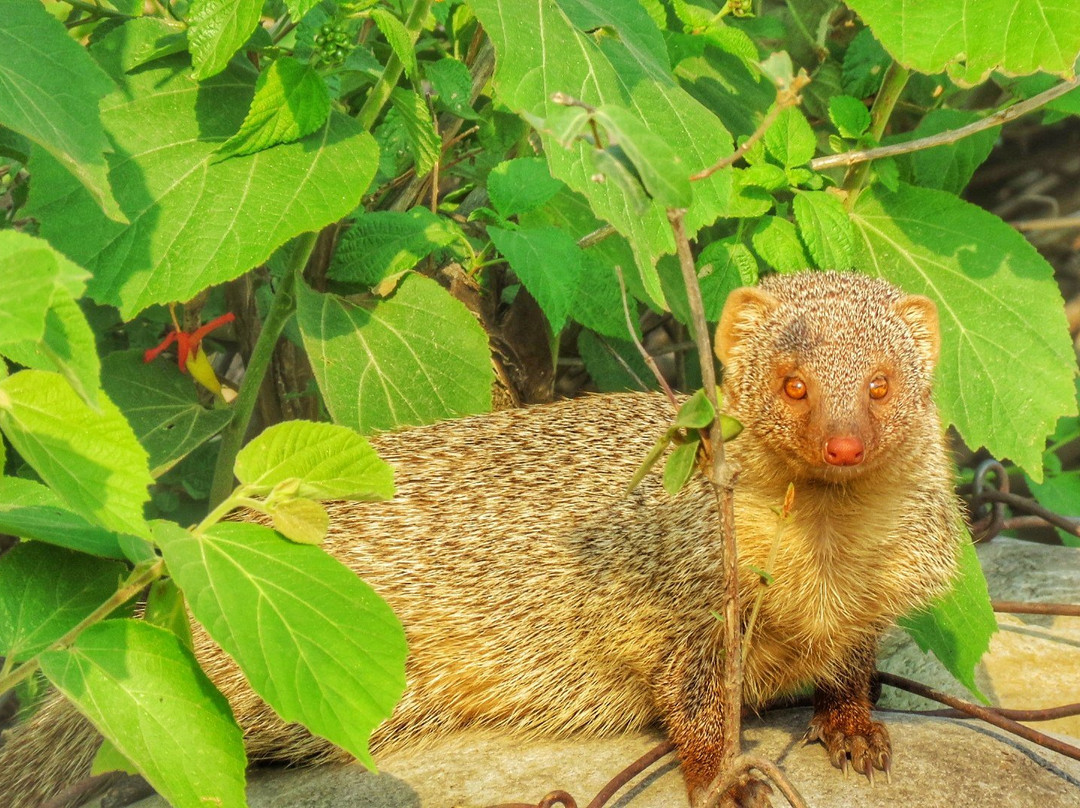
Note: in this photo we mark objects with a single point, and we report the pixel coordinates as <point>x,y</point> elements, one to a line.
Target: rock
<point>938,762</point>
<point>1033,661</point>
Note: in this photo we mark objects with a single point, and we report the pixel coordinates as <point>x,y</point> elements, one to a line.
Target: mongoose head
<point>828,370</point>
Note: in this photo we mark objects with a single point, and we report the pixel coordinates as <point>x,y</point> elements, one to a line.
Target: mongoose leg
<point>842,721</point>
<point>690,700</point>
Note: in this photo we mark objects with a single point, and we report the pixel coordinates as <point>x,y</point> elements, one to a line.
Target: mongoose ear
<point>921,315</point>
<point>744,311</point>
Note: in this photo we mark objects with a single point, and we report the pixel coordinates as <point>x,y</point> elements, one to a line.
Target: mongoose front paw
<point>862,744</point>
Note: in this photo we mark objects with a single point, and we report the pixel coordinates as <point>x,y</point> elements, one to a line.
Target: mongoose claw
<point>863,747</point>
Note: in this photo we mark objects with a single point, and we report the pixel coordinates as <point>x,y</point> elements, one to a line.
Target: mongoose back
<point>539,598</point>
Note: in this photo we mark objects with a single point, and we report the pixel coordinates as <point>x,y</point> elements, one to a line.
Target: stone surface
<point>1034,660</point>
<point>938,762</point>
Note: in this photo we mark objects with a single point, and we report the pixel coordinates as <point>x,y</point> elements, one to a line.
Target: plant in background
<point>381,191</point>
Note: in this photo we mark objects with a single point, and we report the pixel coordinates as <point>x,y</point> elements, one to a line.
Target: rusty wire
<point>988,505</point>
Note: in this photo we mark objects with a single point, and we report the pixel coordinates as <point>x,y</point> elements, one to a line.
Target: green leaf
<point>826,229</point>
<point>162,405</point>
<point>383,243</point>
<point>598,303</point>
<point>696,412</point>
<point>521,185</point>
<point>971,38</point>
<point>416,357</point>
<point>108,759</point>
<point>28,272</point>
<point>958,626</point>
<point>67,347</point>
<point>145,692</point>
<point>548,262</point>
<point>49,92</point>
<point>865,63</point>
<point>291,101</point>
<point>615,366</point>
<point>91,459</point>
<point>424,143</point>
<point>314,640</point>
<point>654,454</point>
<point>612,165</point>
<point>301,520</point>
<point>46,591</point>
<point>32,511</point>
<point>680,465</point>
<point>398,37</point>
<point>777,242</point>
<point>999,307</point>
<point>849,115</point>
<point>948,167</point>
<point>167,609</point>
<point>660,167</point>
<point>790,139</point>
<point>330,462</point>
<point>452,83</point>
<point>723,266</point>
<point>217,30</point>
<point>546,46</point>
<point>186,210</point>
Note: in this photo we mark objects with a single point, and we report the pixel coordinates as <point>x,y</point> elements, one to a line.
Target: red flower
<point>187,344</point>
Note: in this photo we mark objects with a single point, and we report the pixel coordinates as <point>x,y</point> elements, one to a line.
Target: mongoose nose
<point>844,451</point>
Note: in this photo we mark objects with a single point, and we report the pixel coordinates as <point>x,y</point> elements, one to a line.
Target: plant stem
<point>951,136</point>
<point>892,85</point>
<point>379,94</point>
<point>144,573</point>
<point>282,307</point>
<point>96,10</point>
<point>785,97</point>
<point>722,479</point>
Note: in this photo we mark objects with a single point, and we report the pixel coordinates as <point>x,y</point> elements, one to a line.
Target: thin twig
<point>1057,223</point>
<point>951,136</point>
<point>637,343</point>
<point>788,97</point>
<point>1016,607</point>
<point>596,236</point>
<point>985,714</point>
<point>630,772</point>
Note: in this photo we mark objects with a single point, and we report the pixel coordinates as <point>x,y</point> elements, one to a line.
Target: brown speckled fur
<point>538,599</point>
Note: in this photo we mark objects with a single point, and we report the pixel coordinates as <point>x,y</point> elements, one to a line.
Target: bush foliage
<point>383,183</point>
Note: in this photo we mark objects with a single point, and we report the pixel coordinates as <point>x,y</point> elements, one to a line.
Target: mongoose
<point>538,597</point>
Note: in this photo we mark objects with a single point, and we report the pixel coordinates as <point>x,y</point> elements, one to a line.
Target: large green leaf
<point>49,92</point>
<point>970,38</point>
<point>548,262</point>
<point>1006,367</point>
<point>46,591</point>
<point>218,29</point>
<point>549,46</point>
<point>314,640</point>
<point>145,692</point>
<point>194,222</point>
<point>416,357</point>
<point>328,461</point>
<point>91,459</point>
<point>384,242</point>
<point>162,405</point>
<point>291,101</point>
<point>958,626</point>
<point>825,229</point>
<point>33,511</point>
<point>520,185</point>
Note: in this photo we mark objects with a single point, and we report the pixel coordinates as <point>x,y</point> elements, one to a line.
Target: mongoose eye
<point>795,387</point>
<point>879,386</point>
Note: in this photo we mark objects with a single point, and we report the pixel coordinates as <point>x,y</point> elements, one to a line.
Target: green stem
<point>281,309</point>
<point>144,573</point>
<point>96,10</point>
<point>892,85</point>
<point>380,93</point>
